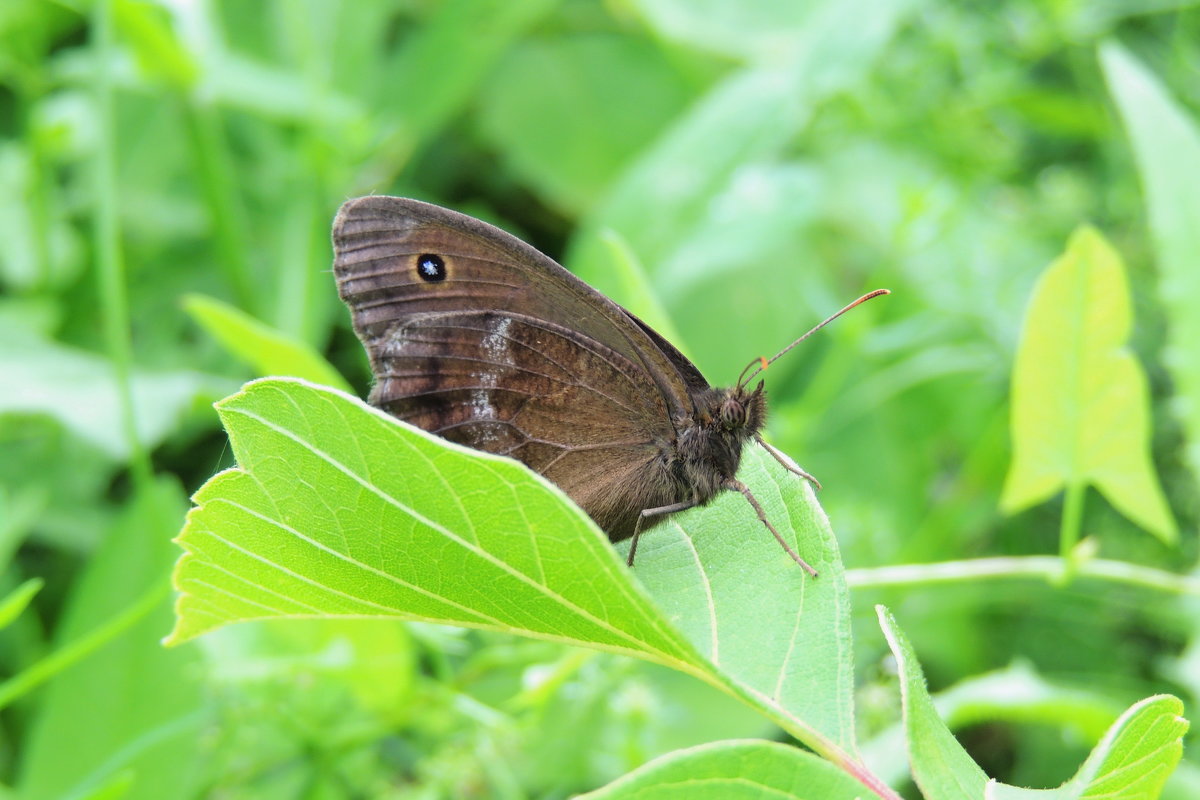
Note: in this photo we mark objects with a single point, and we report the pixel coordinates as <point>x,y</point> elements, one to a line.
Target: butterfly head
<point>743,410</point>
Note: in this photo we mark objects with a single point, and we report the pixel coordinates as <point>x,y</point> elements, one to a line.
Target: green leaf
<point>18,599</point>
<point>77,389</point>
<point>1080,406</point>
<point>336,509</point>
<point>267,350</point>
<point>733,770</point>
<point>129,706</point>
<point>158,50</point>
<point>753,31</point>
<point>786,640</point>
<point>1132,762</point>
<point>435,87</point>
<point>1167,145</point>
<point>637,292</point>
<point>572,157</point>
<point>748,117</point>
<point>1016,694</point>
<point>711,158</point>
<point>940,766</point>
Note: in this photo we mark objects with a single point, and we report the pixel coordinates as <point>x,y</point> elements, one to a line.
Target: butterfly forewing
<point>507,352</point>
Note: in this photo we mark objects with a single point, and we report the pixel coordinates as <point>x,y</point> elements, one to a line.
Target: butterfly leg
<point>738,486</point>
<point>654,512</point>
<point>787,462</point>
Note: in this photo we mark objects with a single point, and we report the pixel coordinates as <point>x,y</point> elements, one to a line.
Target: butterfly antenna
<point>760,362</point>
<point>763,363</point>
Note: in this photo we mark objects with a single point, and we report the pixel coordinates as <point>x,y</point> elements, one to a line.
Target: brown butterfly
<point>478,337</point>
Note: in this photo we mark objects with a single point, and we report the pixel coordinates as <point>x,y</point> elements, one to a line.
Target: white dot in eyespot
<point>431,268</point>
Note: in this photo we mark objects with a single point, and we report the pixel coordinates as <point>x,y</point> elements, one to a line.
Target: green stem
<point>1047,568</point>
<point>110,266</point>
<point>1072,519</point>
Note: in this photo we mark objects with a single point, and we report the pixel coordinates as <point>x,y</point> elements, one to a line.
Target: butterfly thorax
<point>709,446</point>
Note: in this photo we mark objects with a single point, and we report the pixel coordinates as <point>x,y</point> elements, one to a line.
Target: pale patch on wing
<point>496,345</point>
<point>497,353</point>
<point>481,405</point>
<point>497,349</point>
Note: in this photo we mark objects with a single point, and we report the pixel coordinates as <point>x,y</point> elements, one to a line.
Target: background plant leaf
<point>940,766</point>
<point>1080,405</point>
<point>1166,143</point>
<point>573,157</point>
<point>77,389</point>
<point>1131,762</point>
<point>269,351</point>
<point>141,728</point>
<point>16,601</point>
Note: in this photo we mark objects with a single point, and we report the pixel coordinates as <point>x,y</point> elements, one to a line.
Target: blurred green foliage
<point>763,163</point>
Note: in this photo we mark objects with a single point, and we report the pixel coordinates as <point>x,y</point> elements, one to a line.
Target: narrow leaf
<point>267,350</point>
<point>734,770</point>
<point>1166,142</point>
<point>940,765</point>
<point>636,290</point>
<point>1080,406</point>
<point>16,601</point>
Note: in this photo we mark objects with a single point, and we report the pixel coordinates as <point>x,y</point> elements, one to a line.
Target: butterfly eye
<point>431,268</point>
<point>733,414</point>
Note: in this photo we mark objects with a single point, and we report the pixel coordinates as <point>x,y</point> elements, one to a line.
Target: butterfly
<point>476,336</point>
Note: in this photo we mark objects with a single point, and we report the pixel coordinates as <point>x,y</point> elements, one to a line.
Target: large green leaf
<point>1080,406</point>
<point>1131,762</point>
<point>734,770</point>
<point>337,509</point>
<point>724,581</point>
<point>1167,145</point>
